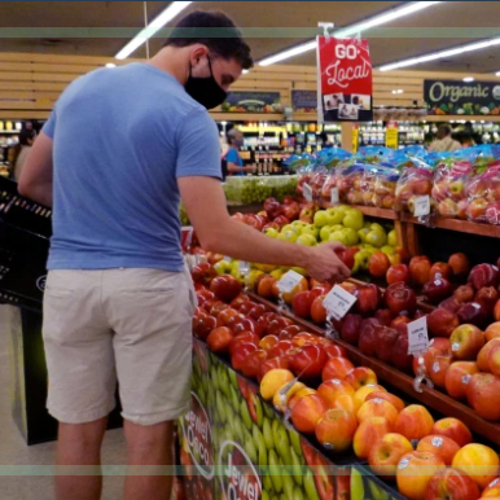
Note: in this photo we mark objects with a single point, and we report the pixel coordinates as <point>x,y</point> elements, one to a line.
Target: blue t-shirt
<point>232,156</point>
<point>122,137</point>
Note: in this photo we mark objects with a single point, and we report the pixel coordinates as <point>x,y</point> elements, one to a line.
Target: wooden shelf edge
<point>436,400</point>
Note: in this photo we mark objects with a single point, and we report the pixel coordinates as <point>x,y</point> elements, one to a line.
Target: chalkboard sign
<point>304,101</point>
<point>252,102</point>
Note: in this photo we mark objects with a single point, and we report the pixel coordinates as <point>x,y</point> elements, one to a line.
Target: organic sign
<point>453,97</point>
<point>344,80</point>
<point>304,101</point>
<point>253,102</point>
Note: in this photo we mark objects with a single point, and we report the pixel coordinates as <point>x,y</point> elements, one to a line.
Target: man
<point>120,150</point>
<point>444,141</point>
<point>234,162</point>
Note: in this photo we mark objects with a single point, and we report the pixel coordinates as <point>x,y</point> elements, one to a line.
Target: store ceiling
<point>442,18</point>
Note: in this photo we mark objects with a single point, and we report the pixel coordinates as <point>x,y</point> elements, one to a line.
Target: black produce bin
<point>25,229</point>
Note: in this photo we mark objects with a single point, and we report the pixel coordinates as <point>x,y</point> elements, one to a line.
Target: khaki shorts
<point>130,325</point>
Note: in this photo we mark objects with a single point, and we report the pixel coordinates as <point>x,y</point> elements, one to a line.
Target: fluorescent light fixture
<point>110,65</point>
<point>245,71</point>
<point>441,54</point>
<point>497,73</point>
<point>355,29</point>
<point>398,91</point>
<point>468,79</point>
<point>155,25</point>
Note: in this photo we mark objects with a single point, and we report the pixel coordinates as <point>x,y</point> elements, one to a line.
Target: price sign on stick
<point>308,192</point>
<point>289,281</point>
<point>422,206</point>
<point>334,196</point>
<point>338,302</point>
<point>418,337</point>
<point>244,267</point>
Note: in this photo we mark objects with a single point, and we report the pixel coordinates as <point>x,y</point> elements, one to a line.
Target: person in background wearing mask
<point>444,141</point>
<point>234,162</point>
<point>119,301</point>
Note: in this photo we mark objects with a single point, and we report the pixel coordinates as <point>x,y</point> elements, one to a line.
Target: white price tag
<point>334,196</point>
<point>227,259</point>
<point>338,302</point>
<point>244,267</point>
<point>422,206</point>
<point>418,337</point>
<point>289,281</point>
<point>308,192</point>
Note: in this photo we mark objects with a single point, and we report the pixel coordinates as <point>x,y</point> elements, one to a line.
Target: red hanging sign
<point>344,80</point>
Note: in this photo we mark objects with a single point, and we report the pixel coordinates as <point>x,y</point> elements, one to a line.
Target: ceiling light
<point>110,65</point>
<point>355,29</point>
<point>497,73</point>
<point>398,91</point>
<point>245,71</point>
<point>441,54</point>
<point>468,79</point>
<point>155,25</point>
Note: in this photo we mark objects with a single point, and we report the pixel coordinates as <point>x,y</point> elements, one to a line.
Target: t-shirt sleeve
<point>198,146</point>
<point>50,125</point>
<point>232,156</point>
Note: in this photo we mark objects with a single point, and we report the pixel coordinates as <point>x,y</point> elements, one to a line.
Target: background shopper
<point>234,161</point>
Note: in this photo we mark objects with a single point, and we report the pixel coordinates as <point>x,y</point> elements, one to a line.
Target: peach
<point>335,429</point>
<point>414,422</point>
<point>415,470</point>
<point>370,431</point>
<point>480,462</point>
<point>387,452</point>
<point>378,408</point>
<point>454,429</point>
<point>331,389</point>
<point>307,412</point>
<point>442,446</point>
<point>361,376</point>
<point>398,403</point>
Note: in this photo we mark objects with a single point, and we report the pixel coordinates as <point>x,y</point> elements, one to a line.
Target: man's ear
<point>198,52</point>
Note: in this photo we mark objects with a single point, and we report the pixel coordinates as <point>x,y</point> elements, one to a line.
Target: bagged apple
<point>384,186</point>
<point>483,194</point>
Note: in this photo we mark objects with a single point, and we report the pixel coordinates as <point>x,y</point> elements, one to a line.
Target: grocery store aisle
<point>14,451</point>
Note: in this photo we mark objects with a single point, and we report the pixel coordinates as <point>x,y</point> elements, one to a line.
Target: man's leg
<point>150,447</point>
<point>79,445</point>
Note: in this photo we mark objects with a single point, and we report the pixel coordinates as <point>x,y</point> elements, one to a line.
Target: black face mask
<point>205,89</point>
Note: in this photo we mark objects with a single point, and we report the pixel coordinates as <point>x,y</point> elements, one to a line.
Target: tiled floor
<point>14,451</point>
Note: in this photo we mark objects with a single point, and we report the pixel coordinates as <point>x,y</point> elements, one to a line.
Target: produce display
<point>311,381</point>
<point>245,190</point>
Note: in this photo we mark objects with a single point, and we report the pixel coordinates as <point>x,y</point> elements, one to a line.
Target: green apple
<point>362,234</point>
<point>310,229</point>
<point>299,270</point>
<point>392,238</point>
<point>296,228</point>
<point>324,233</point>
<point>388,250</point>
<point>277,273</point>
<point>376,238</point>
<point>337,227</point>
<point>375,226</point>
<point>307,240</point>
<point>334,215</point>
<point>351,236</point>
<point>338,236</point>
<point>290,236</point>
<point>321,218</point>
<point>271,232</point>
<point>353,219</point>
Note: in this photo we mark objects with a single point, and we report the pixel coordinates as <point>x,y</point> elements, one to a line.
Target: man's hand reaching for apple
<point>324,264</point>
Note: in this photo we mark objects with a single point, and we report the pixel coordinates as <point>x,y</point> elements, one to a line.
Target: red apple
<point>386,339</point>
<point>361,376</point>
<point>272,207</point>
<point>450,304</point>
<point>318,311</point>
<point>459,263</point>
<point>488,297</point>
<point>437,290</point>
<point>219,339</point>
<point>400,357</point>
<point>203,325</point>
<point>351,328</point>
<point>264,286</point>
<point>277,324</point>
<point>281,220</point>
<point>420,269</point>
<point>384,316</point>
<point>308,363</point>
<point>398,272</point>
<point>289,332</point>
<point>484,275</point>
<point>439,369</point>
<point>241,353</point>
<point>458,376</point>
<point>464,293</point>
<point>240,338</point>
<point>483,394</point>
<point>301,304</point>
<point>251,365</point>
<point>454,429</point>
<point>368,337</point>
<point>483,358</point>
<point>451,484</point>
<point>442,322</point>
<point>247,324</point>
<point>271,364</point>
<point>400,299</point>
<point>368,299</point>
<point>336,368</point>
<point>280,349</point>
<point>473,313</point>
<point>466,342</point>
<point>225,288</point>
<point>203,273</point>
<point>268,342</point>
<point>257,311</point>
<point>335,351</point>
<point>378,264</point>
<point>440,270</point>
